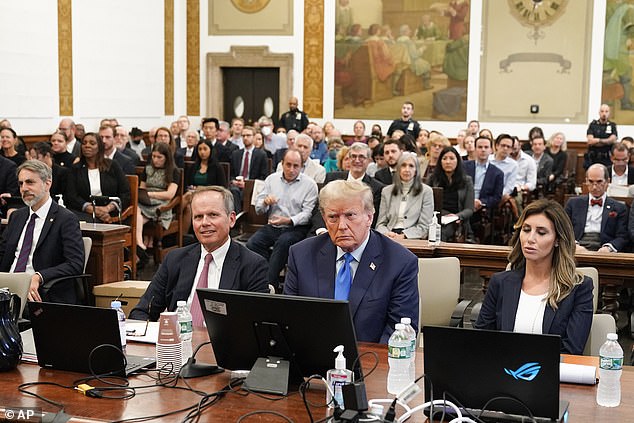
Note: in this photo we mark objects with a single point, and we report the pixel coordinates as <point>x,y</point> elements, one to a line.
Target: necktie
<point>344,279</point>
<point>245,166</point>
<point>596,202</point>
<point>27,243</point>
<point>203,282</point>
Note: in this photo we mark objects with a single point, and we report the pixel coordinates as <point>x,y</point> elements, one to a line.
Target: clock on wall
<point>537,14</point>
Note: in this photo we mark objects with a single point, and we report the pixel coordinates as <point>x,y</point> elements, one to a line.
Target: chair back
<point>438,289</point>
<point>87,247</point>
<point>593,274</point>
<point>602,324</point>
<point>438,199</point>
<point>18,283</point>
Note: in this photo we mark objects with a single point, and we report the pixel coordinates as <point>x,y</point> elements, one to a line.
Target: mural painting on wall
<point>416,51</point>
<point>618,56</point>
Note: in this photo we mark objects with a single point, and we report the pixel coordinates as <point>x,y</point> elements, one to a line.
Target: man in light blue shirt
<point>288,198</point>
<point>502,160</point>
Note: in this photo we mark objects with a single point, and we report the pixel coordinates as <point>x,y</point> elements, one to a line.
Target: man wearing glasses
<point>215,261</point>
<point>599,222</point>
<point>67,126</point>
<point>355,263</point>
<point>622,173</point>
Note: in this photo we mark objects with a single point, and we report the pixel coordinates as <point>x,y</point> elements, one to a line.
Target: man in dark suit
<point>599,222</point>
<point>247,163</point>
<point>42,151</point>
<point>376,275</point>
<point>621,172</point>
<point>488,180</point>
<point>232,267</point>
<point>210,130</point>
<point>50,245</point>
<point>543,161</point>
<point>107,136</point>
<point>392,150</point>
<point>122,145</point>
<point>359,155</point>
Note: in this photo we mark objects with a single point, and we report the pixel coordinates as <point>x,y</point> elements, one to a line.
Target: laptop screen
<point>475,366</point>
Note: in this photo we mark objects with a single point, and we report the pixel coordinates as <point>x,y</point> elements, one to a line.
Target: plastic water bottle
<point>610,368</point>
<point>399,360</point>
<point>116,305</point>
<point>411,333</point>
<point>186,330</point>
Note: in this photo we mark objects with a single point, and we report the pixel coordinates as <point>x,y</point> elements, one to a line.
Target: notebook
<point>65,336</point>
<point>475,366</point>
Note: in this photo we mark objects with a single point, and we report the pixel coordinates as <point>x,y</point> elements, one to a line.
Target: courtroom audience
<point>94,183</point>
<point>160,180</point>
<point>42,151</point>
<point>407,204</point>
<point>542,292</point>
<point>557,150</point>
<point>457,192</point>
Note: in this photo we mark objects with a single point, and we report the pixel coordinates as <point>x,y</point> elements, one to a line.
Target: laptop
<point>475,366</point>
<point>65,335</point>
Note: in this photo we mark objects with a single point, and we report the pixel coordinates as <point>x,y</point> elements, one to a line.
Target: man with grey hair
<point>222,136</point>
<point>215,261</point>
<point>304,144</point>
<point>67,126</point>
<point>352,262</point>
<point>272,142</point>
<point>290,143</point>
<point>49,246</point>
<point>359,155</point>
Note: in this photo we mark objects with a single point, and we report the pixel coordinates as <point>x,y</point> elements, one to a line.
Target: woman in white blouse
<point>407,205</point>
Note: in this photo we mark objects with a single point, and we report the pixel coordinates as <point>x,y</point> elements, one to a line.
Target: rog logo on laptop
<point>527,372</point>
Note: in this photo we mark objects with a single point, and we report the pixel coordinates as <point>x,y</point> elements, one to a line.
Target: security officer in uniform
<point>294,118</point>
<point>601,136</point>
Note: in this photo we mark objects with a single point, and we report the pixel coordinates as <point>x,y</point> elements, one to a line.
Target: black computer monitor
<point>247,327</point>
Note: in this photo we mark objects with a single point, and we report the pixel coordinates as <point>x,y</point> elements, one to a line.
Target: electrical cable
<point>253,413</point>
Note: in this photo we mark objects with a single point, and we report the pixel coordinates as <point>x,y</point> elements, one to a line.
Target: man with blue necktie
<point>376,275</point>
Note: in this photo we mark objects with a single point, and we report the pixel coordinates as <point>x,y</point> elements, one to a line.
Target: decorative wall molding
<point>65,56</point>
<point>313,100</point>
<point>169,57</point>
<point>245,57</point>
<point>193,57</point>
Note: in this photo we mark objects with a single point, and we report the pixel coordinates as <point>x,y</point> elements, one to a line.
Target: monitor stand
<point>276,368</point>
<point>192,369</point>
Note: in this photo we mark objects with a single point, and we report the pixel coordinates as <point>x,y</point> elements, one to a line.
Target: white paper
<point>577,373</point>
<point>258,186</point>
<point>138,327</point>
<point>448,218</point>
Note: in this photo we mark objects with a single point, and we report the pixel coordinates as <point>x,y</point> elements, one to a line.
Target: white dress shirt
<point>215,268</point>
<point>37,231</point>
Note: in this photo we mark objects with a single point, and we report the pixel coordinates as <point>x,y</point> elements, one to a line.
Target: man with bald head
<point>599,222</point>
<point>294,118</point>
<point>67,126</point>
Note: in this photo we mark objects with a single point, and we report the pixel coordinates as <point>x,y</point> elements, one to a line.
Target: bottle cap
<point>406,320</point>
<point>181,303</point>
<point>399,326</point>
<point>340,361</point>
<point>115,304</point>
<point>613,336</point>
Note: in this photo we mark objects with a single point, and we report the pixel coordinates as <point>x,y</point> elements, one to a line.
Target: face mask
<point>266,131</point>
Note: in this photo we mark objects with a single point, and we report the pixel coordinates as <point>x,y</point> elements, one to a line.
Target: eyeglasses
<point>133,332</point>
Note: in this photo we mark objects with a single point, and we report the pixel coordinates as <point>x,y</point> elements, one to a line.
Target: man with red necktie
<point>215,261</point>
<point>599,222</point>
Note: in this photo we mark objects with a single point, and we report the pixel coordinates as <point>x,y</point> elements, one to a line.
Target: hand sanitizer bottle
<point>337,377</point>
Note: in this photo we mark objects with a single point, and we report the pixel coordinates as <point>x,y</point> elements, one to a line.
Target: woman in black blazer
<point>95,176</point>
<point>457,198</point>
<point>205,171</point>
<point>543,292</point>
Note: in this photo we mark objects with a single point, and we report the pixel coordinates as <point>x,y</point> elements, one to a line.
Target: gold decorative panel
<point>193,57</point>
<point>65,56</point>
<point>169,57</point>
<point>313,100</point>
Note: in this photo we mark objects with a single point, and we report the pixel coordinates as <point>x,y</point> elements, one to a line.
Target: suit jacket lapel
<point>50,218</point>
<point>326,272</point>
<point>187,272</point>
<point>230,267</point>
<point>364,276</point>
<point>511,292</point>
<point>582,213</point>
<point>606,212</point>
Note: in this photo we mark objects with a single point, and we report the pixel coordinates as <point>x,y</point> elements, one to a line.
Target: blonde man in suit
<point>407,205</point>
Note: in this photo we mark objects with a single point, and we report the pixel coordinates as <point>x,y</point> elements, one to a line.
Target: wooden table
<point>615,269</point>
<point>105,262</point>
<point>156,400</point>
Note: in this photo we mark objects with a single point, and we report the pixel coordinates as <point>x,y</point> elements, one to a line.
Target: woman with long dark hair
<point>457,198</point>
